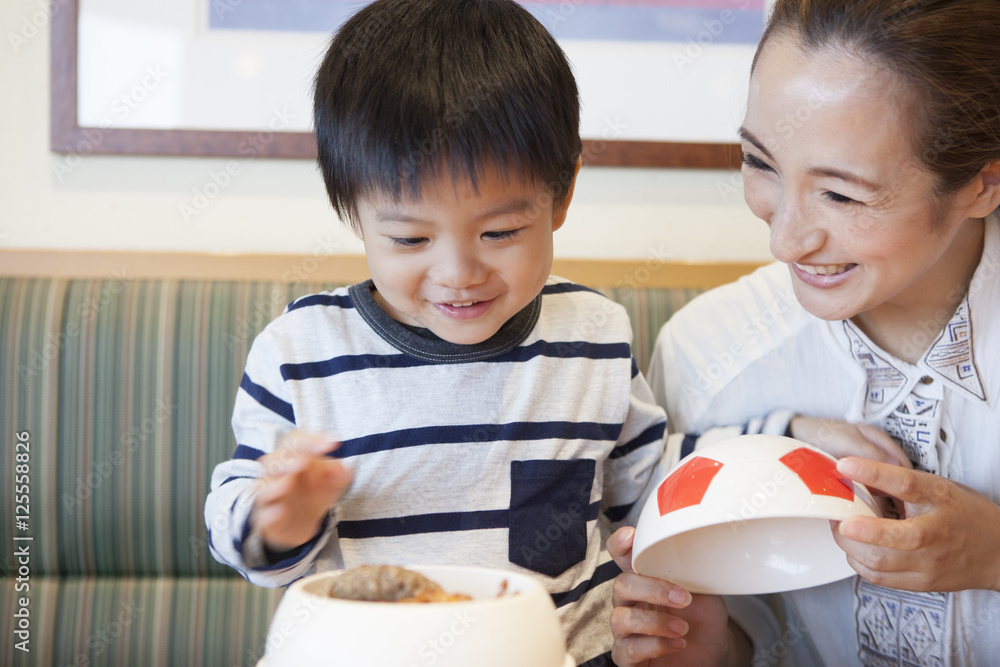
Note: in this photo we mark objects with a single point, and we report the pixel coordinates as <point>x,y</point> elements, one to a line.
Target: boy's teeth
<point>824,269</point>
<point>462,304</point>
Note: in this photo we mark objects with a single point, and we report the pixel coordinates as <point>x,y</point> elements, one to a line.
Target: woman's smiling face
<point>828,165</point>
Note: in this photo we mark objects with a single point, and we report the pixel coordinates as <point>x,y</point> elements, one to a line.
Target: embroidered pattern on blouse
<point>951,353</point>
<point>900,627</point>
<point>885,381</point>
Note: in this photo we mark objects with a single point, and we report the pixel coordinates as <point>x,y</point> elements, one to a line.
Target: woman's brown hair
<point>946,51</point>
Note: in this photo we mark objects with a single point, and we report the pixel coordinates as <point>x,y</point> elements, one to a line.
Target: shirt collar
<point>952,356</point>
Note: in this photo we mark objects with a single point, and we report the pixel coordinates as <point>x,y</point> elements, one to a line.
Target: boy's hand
<point>839,439</point>
<point>299,486</point>
<point>655,622</point>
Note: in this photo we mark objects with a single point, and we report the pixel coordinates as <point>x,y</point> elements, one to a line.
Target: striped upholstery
<point>126,388</point>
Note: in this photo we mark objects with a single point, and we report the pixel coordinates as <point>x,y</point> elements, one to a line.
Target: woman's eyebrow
<point>845,176</point>
<point>747,135</point>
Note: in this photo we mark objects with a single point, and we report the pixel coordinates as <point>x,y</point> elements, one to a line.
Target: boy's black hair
<point>411,89</point>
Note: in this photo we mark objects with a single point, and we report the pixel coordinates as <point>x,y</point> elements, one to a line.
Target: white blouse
<point>749,349</point>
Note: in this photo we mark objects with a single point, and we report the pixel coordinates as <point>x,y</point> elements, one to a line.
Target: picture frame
<point>71,136</point>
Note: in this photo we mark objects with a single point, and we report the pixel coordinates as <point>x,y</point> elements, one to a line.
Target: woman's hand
<point>948,541</point>
<point>839,439</point>
<point>653,619</point>
<point>299,486</point>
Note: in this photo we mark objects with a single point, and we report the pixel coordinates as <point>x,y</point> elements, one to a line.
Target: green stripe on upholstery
<point>149,621</point>
<point>649,309</point>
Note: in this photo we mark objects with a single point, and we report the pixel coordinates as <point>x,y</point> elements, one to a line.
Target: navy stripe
<point>346,364</point>
<point>234,478</point>
<point>635,368</point>
<point>415,524</point>
<point>651,434</point>
<point>603,574</point>
<point>476,433</point>
<point>564,288</point>
<point>267,399</point>
<point>603,660</point>
<point>438,522</point>
<point>249,453</point>
<point>568,350</point>
<point>687,446</point>
<point>335,300</point>
<point>619,512</point>
<point>287,559</point>
<point>358,362</point>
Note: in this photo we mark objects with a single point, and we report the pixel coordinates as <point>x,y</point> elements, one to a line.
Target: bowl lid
<point>748,515</point>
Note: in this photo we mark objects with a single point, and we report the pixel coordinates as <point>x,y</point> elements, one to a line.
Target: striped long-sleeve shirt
<point>521,452</point>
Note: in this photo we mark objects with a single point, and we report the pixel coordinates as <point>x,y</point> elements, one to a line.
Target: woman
<point>872,150</point>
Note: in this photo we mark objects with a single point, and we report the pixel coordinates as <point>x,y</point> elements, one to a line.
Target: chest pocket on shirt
<point>549,503</point>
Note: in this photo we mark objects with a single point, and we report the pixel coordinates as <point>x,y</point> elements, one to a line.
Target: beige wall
<point>278,206</point>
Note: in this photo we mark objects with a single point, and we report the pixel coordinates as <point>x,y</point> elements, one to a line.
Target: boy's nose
<point>459,270</point>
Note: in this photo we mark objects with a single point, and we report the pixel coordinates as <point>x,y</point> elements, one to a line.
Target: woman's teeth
<point>824,269</point>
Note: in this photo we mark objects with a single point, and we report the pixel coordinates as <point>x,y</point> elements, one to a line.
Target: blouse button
<point>927,379</point>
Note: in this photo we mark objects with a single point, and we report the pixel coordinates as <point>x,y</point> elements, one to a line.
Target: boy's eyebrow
<point>845,176</point>
<point>516,205</point>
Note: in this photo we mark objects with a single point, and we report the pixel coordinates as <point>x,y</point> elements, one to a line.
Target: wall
<point>136,203</point>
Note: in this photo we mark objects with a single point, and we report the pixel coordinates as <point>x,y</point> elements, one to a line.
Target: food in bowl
<point>510,620</point>
<point>389,583</point>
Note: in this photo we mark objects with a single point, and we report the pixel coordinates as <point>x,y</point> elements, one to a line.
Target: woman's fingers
<point>634,588</point>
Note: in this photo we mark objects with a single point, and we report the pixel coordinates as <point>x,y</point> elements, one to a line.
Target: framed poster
<point>662,82</point>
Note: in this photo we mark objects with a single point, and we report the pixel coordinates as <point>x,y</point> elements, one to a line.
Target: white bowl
<point>518,628</point>
<point>748,515</point>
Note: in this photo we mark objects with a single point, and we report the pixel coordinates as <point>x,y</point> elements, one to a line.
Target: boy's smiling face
<point>460,260</point>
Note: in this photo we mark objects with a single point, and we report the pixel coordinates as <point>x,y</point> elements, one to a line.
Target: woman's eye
<point>754,162</point>
<point>408,242</point>
<point>502,236</point>
<point>838,198</point>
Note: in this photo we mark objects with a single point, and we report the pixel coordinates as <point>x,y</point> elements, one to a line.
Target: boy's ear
<point>559,214</point>
<point>986,197</point>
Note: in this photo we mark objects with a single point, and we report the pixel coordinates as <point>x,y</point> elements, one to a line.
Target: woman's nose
<point>796,232</point>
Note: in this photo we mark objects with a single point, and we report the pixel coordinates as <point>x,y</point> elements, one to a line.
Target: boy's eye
<point>754,162</point>
<point>502,235</point>
<point>408,242</point>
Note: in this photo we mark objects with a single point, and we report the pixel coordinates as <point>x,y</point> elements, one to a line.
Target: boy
<point>486,413</point>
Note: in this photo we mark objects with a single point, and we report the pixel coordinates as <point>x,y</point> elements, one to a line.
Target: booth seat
<point>116,394</point>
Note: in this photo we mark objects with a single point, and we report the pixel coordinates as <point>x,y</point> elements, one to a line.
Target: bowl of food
<point>748,515</point>
<point>389,616</point>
